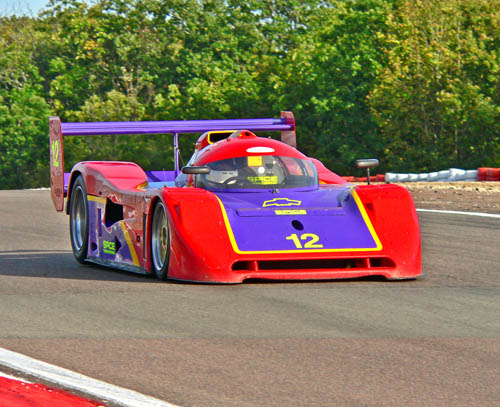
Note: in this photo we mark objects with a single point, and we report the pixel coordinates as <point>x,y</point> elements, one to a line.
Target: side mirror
<point>195,170</point>
<point>367,163</point>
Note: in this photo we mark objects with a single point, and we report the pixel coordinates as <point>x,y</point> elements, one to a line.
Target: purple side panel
<point>98,233</point>
<point>336,227</point>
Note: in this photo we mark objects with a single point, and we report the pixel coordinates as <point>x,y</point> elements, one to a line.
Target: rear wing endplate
<point>285,124</point>
<point>56,163</point>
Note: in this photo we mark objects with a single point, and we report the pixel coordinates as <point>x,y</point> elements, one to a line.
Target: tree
<point>327,77</point>
<point>437,102</point>
<point>23,139</point>
<point>23,111</point>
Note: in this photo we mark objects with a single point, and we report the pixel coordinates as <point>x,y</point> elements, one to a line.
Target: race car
<point>244,207</point>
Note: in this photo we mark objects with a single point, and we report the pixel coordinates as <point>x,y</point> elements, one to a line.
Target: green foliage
<point>24,148</point>
<point>415,83</point>
<point>327,77</point>
<point>437,101</point>
<point>23,109</point>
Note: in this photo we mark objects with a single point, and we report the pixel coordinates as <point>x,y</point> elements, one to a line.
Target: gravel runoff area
<point>456,196</point>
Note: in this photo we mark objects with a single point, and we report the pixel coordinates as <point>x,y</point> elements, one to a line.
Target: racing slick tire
<point>160,241</point>
<point>79,220</point>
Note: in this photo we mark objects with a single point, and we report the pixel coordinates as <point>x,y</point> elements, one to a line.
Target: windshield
<point>259,172</point>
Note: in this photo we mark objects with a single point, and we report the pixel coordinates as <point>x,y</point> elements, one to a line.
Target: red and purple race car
<point>243,207</point>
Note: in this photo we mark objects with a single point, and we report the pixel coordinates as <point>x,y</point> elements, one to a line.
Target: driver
<point>221,171</point>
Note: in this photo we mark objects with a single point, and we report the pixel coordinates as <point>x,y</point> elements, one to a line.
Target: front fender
<point>392,212</point>
<point>200,246</point>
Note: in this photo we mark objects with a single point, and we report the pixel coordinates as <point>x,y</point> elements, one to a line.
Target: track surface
<point>433,341</point>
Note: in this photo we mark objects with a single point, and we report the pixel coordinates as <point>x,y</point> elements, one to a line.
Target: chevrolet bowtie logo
<point>282,202</point>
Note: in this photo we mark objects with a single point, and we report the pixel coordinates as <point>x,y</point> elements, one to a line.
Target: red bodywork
<point>201,248</point>
<point>199,254</point>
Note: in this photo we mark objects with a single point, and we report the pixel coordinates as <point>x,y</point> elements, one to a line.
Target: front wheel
<point>79,220</point>
<point>160,241</point>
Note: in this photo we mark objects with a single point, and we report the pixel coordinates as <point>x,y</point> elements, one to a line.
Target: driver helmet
<point>221,171</point>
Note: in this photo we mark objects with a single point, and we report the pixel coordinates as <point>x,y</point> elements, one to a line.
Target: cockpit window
<point>258,172</point>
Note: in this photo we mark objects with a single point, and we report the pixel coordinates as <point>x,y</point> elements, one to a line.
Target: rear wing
<point>285,124</point>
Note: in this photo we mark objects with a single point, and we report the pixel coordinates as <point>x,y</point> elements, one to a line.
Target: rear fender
<point>105,177</point>
<point>118,182</point>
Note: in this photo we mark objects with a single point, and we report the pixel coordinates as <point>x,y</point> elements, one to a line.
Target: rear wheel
<point>79,220</point>
<point>160,241</point>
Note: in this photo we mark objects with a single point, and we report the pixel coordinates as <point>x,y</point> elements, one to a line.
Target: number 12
<point>311,241</point>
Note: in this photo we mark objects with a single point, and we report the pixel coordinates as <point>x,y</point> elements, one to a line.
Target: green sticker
<point>55,153</point>
<point>109,247</point>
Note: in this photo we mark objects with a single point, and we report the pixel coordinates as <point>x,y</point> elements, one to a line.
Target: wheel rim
<point>159,237</point>
<point>78,218</point>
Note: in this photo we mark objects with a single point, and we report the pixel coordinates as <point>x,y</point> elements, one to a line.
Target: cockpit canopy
<point>258,172</point>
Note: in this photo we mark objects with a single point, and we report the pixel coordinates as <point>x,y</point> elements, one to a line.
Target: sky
<point>21,7</point>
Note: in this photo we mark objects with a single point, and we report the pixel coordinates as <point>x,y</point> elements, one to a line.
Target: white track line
<point>484,215</point>
<point>8,376</point>
<point>76,381</point>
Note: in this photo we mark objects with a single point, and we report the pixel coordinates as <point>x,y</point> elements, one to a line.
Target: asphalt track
<point>429,342</point>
